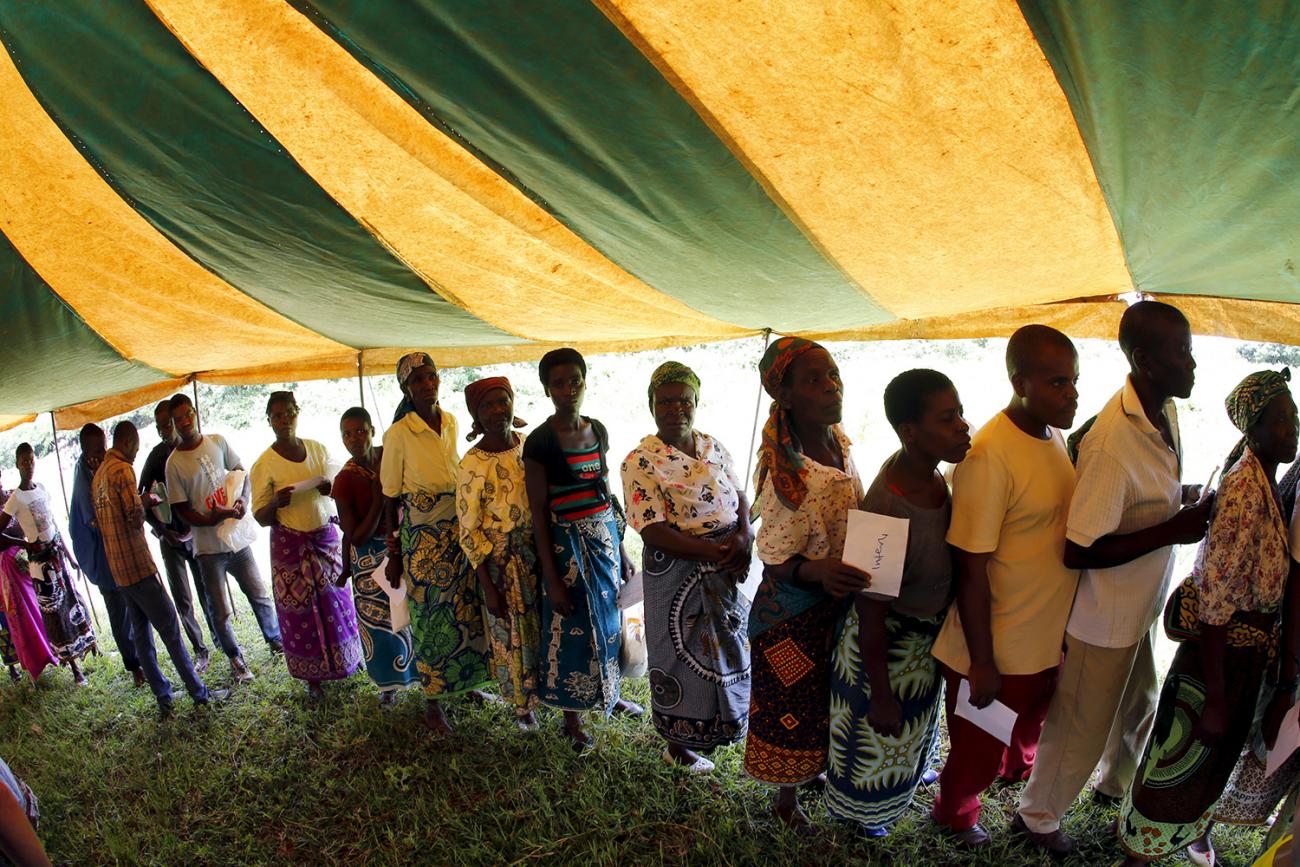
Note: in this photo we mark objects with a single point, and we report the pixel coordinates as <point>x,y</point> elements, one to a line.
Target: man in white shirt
<point>196,475</point>
<point>1124,520</point>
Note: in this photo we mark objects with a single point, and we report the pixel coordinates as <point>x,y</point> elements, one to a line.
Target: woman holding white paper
<point>684,498</point>
<point>318,622</point>
<point>1233,637</point>
<point>886,690</point>
<point>389,653</point>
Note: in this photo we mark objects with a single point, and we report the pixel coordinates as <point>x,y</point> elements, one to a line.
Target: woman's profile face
<point>1273,435</point>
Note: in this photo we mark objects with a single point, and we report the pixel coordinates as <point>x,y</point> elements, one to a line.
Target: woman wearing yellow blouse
<point>418,475</point>
<point>318,621</point>
<point>496,534</point>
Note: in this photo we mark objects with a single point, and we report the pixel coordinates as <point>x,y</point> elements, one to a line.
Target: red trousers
<point>976,758</point>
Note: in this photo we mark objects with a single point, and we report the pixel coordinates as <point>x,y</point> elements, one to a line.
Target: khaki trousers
<point>1102,712</point>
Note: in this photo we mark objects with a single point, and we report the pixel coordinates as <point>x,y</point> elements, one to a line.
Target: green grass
<point>269,779</point>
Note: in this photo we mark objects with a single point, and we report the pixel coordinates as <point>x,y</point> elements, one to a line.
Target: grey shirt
<point>926,589</point>
<point>197,477</point>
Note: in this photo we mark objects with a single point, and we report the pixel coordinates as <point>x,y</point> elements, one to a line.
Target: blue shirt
<point>87,544</point>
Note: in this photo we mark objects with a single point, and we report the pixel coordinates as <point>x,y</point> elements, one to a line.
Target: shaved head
<point>1029,344</point>
<point>1145,325</point>
<point>124,433</point>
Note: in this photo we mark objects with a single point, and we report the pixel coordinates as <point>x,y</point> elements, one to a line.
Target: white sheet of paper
<point>1288,739</point>
<point>877,544</point>
<point>234,485</point>
<point>307,484</point>
<point>997,719</point>
<point>400,615</point>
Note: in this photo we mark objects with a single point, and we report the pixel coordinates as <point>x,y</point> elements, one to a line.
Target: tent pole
<point>67,510</point>
<point>753,431</point>
<point>198,417</point>
<point>361,382</point>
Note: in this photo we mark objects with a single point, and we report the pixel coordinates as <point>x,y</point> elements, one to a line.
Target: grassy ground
<point>268,778</point>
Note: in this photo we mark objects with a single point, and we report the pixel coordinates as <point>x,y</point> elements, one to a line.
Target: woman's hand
<point>1214,720</point>
<point>283,497</point>
<point>625,564</point>
<point>393,545</point>
<point>393,571</point>
<point>494,600</point>
<point>735,553</point>
<point>558,594</point>
<point>324,488</point>
<point>886,715</point>
<point>836,577</point>
<point>985,683</point>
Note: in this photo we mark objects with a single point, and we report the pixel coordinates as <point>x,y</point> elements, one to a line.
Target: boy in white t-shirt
<point>1010,499</point>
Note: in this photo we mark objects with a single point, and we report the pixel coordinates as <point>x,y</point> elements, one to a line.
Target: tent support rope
<point>753,431</point>
<point>361,382</point>
<point>67,510</point>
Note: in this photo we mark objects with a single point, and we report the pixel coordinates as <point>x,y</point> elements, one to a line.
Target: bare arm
<point>885,713</point>
<point>673,541</point>
<point>195,519</point>
<point>1184,528</point>
<point>974,605</point>
<point>18,840</point>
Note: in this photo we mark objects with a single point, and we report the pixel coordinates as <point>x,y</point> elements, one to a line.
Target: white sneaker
<point>701,765</point>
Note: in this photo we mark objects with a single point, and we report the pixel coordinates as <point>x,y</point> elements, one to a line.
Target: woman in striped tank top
<point>578,528</point>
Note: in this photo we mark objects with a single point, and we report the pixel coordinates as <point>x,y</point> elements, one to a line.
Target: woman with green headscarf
<point>1227,617</point>
<point>684,498</point>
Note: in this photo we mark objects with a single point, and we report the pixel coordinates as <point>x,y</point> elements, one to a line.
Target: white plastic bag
<point>237,533</point>
<point>632,658</point>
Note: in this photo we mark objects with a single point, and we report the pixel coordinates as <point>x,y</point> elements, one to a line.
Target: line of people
<point>1035,575</point>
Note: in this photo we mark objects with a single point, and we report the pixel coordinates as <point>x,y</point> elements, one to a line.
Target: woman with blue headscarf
<point>1227,617</point>
<point>418,475</point>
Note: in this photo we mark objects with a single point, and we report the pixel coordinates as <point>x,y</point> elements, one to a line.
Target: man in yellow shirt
<point>1010,500</point>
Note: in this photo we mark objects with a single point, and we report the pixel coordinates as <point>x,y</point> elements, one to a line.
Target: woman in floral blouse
<point>1229,616</point>
<point>684,499</point>
<point>496,534</point>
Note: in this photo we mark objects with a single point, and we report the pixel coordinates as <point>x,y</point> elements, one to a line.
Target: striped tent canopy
<point>268,190</point>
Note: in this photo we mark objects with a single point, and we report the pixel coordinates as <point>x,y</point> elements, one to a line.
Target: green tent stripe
<point>190,159</point>
<point>53,358</point>
<point>559,103</point>
<point>1189,114</point>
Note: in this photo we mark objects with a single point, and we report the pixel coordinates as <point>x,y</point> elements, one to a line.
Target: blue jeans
<point>243,568</point>
<point>149,605</point>
<point>174,562</point>
<point>119,620</point>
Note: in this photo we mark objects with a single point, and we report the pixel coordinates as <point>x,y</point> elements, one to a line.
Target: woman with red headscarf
<point>496,534</point>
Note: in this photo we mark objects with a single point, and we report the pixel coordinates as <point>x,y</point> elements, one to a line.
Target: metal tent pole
<point>361,382</point>
<point>67,510</point>
<point>753,431</point>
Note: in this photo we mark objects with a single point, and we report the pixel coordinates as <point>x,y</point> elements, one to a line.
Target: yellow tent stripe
<point>150,301</point>
<point>468,233</point>
<point>922,146</point>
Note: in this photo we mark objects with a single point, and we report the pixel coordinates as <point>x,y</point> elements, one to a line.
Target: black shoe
<point>165,709</point>
<point>1102,799</point>
<point>276,645</point>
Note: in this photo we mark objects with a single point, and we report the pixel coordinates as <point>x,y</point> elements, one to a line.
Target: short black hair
<point>1028,341</point>
<point>90,430</point>
<point>357,412</point>
<point>907,394</point>
<point>1137,327</point>
<point>163,406</point>
<point>556,357</point>
<point>286,396</point>
<point>179,399</point>
<point>24,447</point>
